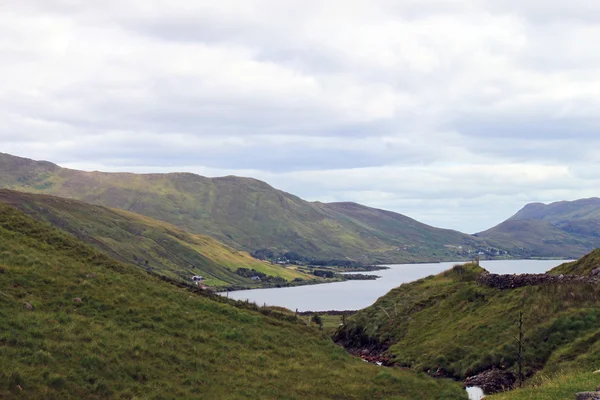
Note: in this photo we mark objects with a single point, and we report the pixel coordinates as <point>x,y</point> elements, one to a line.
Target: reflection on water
<point>354,295</point>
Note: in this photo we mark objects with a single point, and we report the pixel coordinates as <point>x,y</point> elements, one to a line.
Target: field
<point>98,328</point>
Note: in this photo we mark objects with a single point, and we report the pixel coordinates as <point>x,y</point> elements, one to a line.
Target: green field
<point>104,329</point>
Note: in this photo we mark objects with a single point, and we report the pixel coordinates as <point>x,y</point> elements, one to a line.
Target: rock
<point>492,381</point>
<point>514,281</point>
<point>587,396</point>
<point>441,373</point>
<point>91,275</point>
<point>78,300</point>
<point>365,352</point>
<point>595,271</point>
<point>29,306</point>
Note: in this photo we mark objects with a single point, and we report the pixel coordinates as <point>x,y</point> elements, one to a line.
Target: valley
<point>76,323</point>
<point>104,261</point>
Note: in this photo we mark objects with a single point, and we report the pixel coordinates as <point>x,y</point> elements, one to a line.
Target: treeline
<point>250,273</point>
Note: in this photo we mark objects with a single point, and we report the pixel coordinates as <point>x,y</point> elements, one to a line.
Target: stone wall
<point>515,281</point>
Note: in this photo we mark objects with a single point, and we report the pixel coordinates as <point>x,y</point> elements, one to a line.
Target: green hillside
<point>102,329</point>
<point>583,266</point>
<point>154,245</point>
<point>452,325</point>
<point>566,229</point>
<point>249,214</point>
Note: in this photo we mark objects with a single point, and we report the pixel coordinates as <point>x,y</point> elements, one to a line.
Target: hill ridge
<point>250,214</point>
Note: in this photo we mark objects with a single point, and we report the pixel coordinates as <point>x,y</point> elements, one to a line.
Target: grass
<point>561,387</point>
<point>450,321</point>
<point>583,266</point>
<point>153,245</point>
<point>136,336</point>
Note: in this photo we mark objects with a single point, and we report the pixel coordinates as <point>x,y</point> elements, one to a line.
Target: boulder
<point>29,306</point>
<point>587,396</point>
<point>78,300</point>
<point>492,381</point>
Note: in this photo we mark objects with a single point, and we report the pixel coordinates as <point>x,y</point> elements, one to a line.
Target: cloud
<point>453,112</point>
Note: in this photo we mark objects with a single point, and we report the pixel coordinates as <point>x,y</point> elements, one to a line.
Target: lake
<point>354,295</point>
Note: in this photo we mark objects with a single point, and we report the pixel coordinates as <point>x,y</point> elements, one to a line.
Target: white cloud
<point>454,112</point>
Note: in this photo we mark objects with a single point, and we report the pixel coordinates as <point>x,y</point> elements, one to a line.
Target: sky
<point>456,113</point>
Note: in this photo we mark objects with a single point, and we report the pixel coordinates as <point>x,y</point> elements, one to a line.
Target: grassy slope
<point>583,266</point>
<point>451,321</point>
<point>134,336</point>
<point>134,238</point>
<point>245,213</point>
<point>570,369</point>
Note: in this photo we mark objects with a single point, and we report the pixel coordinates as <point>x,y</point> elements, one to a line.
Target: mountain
<point>77,324</point>
<point>154,245</point>
<point>562,229</point>
<point>249,214</point>
<point>559,212</point>
<point>460,324</point>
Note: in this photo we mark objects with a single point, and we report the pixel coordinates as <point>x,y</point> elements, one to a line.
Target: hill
<point>564,229</point>
<point>77,324</point>
<point>535,238</point>
<point>454,324</point>
<point>153,245</point>
<point>585,266</point>
<point>249,214</point>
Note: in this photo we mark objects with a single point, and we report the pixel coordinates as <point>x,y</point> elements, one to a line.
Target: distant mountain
<point>153,245</point>
<point>249,214</point>
<point>565,228</point>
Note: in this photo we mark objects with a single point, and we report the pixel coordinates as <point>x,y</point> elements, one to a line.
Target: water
<point>354,295</point>
<point>475,393</point>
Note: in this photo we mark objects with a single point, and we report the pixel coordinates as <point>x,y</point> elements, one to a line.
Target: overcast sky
<point>454,112</point>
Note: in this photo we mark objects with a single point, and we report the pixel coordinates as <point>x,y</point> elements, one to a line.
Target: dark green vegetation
<point>104,329</point>
<point>153,245</point>
<point>451,324</point>
<point>250,215</point>
<point>562,229</point>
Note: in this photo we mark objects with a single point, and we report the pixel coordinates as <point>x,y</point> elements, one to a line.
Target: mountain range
<point>560,229</point>
<point>249,215</point>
